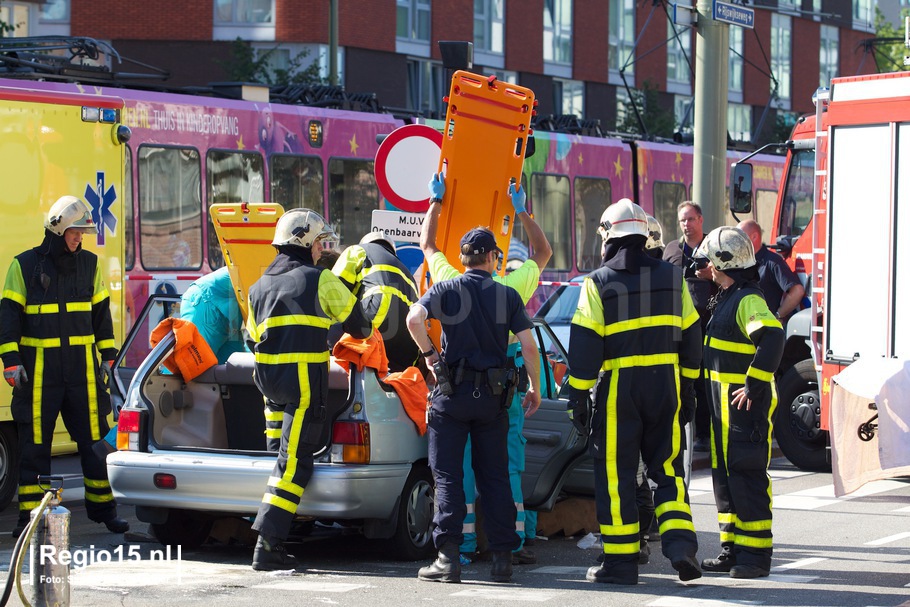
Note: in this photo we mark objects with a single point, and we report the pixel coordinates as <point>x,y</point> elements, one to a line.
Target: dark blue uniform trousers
<point>452,420</point>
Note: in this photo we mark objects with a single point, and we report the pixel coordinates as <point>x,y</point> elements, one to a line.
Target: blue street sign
<point>734,14</point>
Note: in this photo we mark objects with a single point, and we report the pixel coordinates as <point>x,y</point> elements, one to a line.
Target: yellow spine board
<point>486,131</point>
<point>245,232</point>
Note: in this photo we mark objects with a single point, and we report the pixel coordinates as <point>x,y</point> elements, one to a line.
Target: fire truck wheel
<point>9,463</point>
<point>796,424</point>
<point>413,539</point>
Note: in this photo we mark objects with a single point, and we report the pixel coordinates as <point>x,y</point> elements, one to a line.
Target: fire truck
<point>837,222</point>
<point>55,144</point>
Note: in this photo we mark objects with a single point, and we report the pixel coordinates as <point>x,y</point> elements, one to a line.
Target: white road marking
<point>887,540</point>
<point>507,594</point>
<point>819,497</point>
<point>679,601</point>
<point>306,586</point>
<point>555,570</point>
<point>798,564</point>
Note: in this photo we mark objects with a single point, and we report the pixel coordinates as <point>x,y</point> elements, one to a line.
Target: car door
<point>554,449</point>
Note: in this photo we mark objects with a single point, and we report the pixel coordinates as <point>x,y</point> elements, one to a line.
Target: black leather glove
<point>579,411</point>
<point>687,401</point>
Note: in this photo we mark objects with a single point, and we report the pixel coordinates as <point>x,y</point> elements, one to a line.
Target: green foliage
<point>249,65</point>
<point>889,56</point>
<point>783,125</point>
<point>659,122</point>
<point>6,28</point>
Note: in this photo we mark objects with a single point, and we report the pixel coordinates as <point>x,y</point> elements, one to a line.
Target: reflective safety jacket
<point>291,309</point>
<point>633,318</point>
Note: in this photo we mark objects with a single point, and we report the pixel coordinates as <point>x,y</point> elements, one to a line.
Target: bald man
<point>781,287</point>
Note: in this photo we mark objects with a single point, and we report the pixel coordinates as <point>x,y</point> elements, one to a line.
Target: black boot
<point>687,568</point>
<point>115,524</point>
<point>524,557</point>
<point>501,571</point>
<point>644,552</point>
<point>446,568</point>
<point>271,555</point>
<point>722,564</point>
<point>623,573</point>
<point>749,571</point>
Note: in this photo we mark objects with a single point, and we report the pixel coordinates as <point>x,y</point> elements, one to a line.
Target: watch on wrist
<point>428,353</point>
<point>437,200</point>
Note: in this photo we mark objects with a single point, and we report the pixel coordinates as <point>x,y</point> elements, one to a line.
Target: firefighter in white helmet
<point>55,321</point>
<point>743,347</point>
<point>291,308</point>
<point>634,336</point>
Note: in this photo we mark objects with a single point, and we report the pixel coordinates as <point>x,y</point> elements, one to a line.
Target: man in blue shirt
<point>781,287</point>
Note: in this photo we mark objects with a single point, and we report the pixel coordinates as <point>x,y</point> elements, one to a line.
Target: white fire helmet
<point>379,237</point>
<point>623,218</point>
<point>727,248</point>
<point>70,212</point>
<point>655,238</point>
<point>301,228</point>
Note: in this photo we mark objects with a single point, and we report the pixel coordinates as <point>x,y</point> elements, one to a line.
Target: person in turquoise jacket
<point>211,304</point>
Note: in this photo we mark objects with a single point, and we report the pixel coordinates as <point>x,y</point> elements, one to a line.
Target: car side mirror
<point>741,188</point>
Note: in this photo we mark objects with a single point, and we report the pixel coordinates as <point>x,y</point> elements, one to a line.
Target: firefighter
<point>55,319</point>
<point>523,279</point>
<point>635,339</point>
<point>743,347</point>
<point>476,315</point>
<point>291,308</point>
<point>385,290</point>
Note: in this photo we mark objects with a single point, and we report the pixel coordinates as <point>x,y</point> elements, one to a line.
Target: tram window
<point>170,208</point>
<point>353,196</point>
<point>297,182</point>
<point>592,196</point>
<point>554,215</point>
<point>230,177</point>
<point>129,238</point>
<point>667,196</point>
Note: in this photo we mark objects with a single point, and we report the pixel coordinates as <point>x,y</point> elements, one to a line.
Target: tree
<point>888,46</point>
<point>250,65</point>
<point>658,121</point>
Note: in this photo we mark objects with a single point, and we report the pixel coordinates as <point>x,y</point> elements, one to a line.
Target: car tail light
<point>165,481</point>
<point>128,427</point>
<point>351,443</point>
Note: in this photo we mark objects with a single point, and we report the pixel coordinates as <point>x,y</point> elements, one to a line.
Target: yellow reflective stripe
<point>759,374</point>
<point>284,485</point>
<point>105,344</point>
<point>273,416</point>
<point>690,320</point>
<point>26,489</point>
<point>759,323</point>
<point>763,525</point>
<point>640,360</point>
<point>96,484</point>
<point>727,378</point>
<point>251,325</point>
<point>731,346</point>
<point>290,320</point>
<point>673,506</point>
<point>664,320</point>
<point>92,392</point>
<point>588,323</point>
<point>290,469</point>
<point>79,306</point>
<point>611,449</point>
<point>33,342</point>
<point>391,270</point>
<point>726,518</point>
<point>37,389</point>
<point>26,506</point>
<point>19,298</point>
<point>42,309</point>
<point>581,384</point>
<point>93,497</point>
<point>676,523</point>
<point>81,340</point>
<point>629,548</point>
<point>627,529</point>
<point>727,536</point>
<point>753,542</point>
<point>9,347</point>
<point>688,373</point>
<point>387,290</point>
<point>273,433</point>
<point>100,296</point>
<point>291,357</point>
<point>279,502</point>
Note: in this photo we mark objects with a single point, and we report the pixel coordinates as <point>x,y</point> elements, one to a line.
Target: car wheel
<point>413,538</point>
<point>798,419</point>
<point>9,463</point>
<point>183,528</point>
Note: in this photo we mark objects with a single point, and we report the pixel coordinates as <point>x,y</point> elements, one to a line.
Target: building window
<point>863,14</point>
<point>679,49</point>
<point>569,97</point>
<point>557,31</point>
<point>735,65</point>
<point>244,12</point>
<point>683,113</point>
<point>781,57</point>
<point>413,20</point>
<point>55,11</point>
<point>622,39</point>
<point>739,121</point>
<point>489,26</point>
<point>426,87</point>
<point>15,15</point>
<point>789,6</point>
<point>827,55</point>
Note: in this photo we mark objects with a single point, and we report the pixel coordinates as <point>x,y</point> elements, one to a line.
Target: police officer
<point>55,319</point>
<point>291,309</point>
<point>743,347</point>
<point>385,290</point>
<point>634,338</point>
<point>476,315</point>
<point>523,279</point>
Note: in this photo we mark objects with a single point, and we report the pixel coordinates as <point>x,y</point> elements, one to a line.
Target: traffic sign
<point>400,227</point>
<point>405,163</point>
<point>734,14</point>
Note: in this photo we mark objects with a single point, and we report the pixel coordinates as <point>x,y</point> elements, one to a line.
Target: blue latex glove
<point>437,186</point>
<point>519,198</point>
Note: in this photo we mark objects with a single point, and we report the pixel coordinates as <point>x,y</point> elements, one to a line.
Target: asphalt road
<point>852,551</point>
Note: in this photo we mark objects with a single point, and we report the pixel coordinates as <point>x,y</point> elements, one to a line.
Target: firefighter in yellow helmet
<point>55,320</point>
<point>291,309</point>
<point>634,338</point>
<point>743,346</point>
